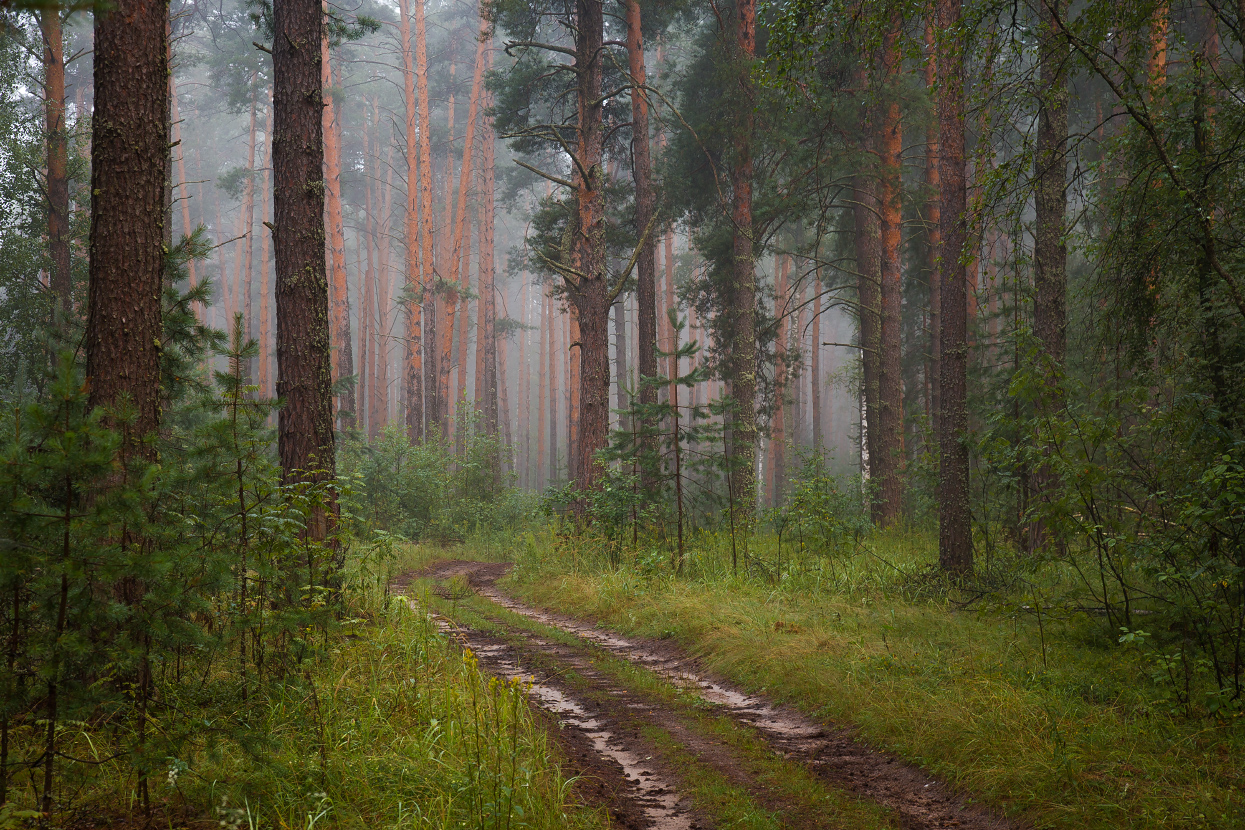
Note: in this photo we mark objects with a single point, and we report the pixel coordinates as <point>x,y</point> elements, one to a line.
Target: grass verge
<point>1040,716</point>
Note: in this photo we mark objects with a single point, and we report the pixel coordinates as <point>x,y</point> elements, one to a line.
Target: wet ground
<point>637,751</point>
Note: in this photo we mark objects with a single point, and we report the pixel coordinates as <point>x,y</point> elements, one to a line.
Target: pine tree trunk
<point>868,289</point>
<point>955,551</point>
<point>646,266</point>
<point>445,329</point>
<point>815,368</point>
<point>778,435</point>
<point>129,154</point>
<point>412,363</point>
<point>340,290</point>
<point>61,281</point>
<point>459,258</point>
<point>183,187</point>
<point>417,421</point>
<point>1050,253</point>
<point>493,380</point>
<point>933,223</point>
<point>375,417</point>
<point>589,290</point>
<point>265,291</point>
<point>304,362</point>
<point>742,303</point>
<point>887,464</point>
<point>246,224</point>
<point>384,301</point>
<point>621,401</point>
<point>555,324</point>
<point>542,397</point>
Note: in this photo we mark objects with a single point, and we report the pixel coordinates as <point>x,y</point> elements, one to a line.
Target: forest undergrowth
<point>1027,703</point>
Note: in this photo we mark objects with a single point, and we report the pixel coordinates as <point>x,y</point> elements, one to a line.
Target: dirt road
<point>662,745</point>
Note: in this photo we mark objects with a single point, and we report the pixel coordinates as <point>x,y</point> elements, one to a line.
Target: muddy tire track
<point>600,728</point>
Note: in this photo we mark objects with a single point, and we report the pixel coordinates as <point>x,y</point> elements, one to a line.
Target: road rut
<point>637,754</point>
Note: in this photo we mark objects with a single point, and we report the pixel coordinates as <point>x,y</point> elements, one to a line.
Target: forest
<point>622,413</point>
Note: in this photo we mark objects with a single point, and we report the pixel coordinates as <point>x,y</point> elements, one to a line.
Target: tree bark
<point>646,266</point>
<point>778,435</point>
<point>129,155</point>
<point>888,462</point>
<point>933,224</point>
<point>1050,253</point>
<point>487,341</point>
<point>426,264</point>
<point>588,288</point>
<point>304,363</point>
<point>815,368</point>
<point>412,363</point>
<point>61,281</point>
<point>743,365</point>
<point>265,291</point>
<point>955,548</point>
<point>460,257</point>
<point>542,398</point>
<point>868,289</point>
<point>340,295</point>
<point>384,286</point>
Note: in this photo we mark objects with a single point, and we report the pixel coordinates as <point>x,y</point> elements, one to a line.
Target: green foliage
<point>429,491</point>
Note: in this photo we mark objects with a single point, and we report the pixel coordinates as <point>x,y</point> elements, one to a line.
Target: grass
<point>727,803</point>
<point>1055,722</point>
<point>388,726</point>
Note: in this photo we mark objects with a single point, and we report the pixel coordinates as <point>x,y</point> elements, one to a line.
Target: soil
<point>602,726</point>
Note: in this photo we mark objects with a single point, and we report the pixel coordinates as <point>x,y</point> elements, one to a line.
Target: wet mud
<point>599,725</point>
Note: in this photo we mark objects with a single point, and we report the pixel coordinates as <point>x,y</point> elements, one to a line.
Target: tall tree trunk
<point>544,330</point>
<point>868,289</point>
<point>338,286</point>
<point>955,550</point>
<point>1050,253</point>
<point>672,336</point>
<point>246,224</point>
<point>265,291</point>
<point>742,305</point>
<point>61,281</point>
<point>815,367</point>
<point>555,323</point>
<point>458,257</point>
<point>487,341</point>
<point>183,186</point>
<point>588,289</point>
<point>646,266</point>
<point>778,435</point>
<point>888,462</point>
<point>222,261</point>
<point>426,239</point>
<point>524,415</point>
<point>304,362</point>
<point>371,170</point>
<point>621,400</point>
<point>412,373</point>
<point>129,155</point>
<point>384,300</point>
<point>933,224</point>
<point>445,328</point>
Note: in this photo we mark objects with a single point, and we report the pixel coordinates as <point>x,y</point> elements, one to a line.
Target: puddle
<point>753,710</point>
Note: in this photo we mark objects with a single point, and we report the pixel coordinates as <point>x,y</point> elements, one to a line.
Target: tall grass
<point>387,724</point>
<point>1036,710</point>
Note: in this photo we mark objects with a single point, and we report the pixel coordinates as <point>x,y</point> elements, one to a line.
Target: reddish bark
<point>339,290</point>
<point>57,143</point>
<point>887,463</point>
<point>412,375</point>
<point>742,303</point>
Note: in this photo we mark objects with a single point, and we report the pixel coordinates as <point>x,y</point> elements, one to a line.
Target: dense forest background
<point>681,277</point>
